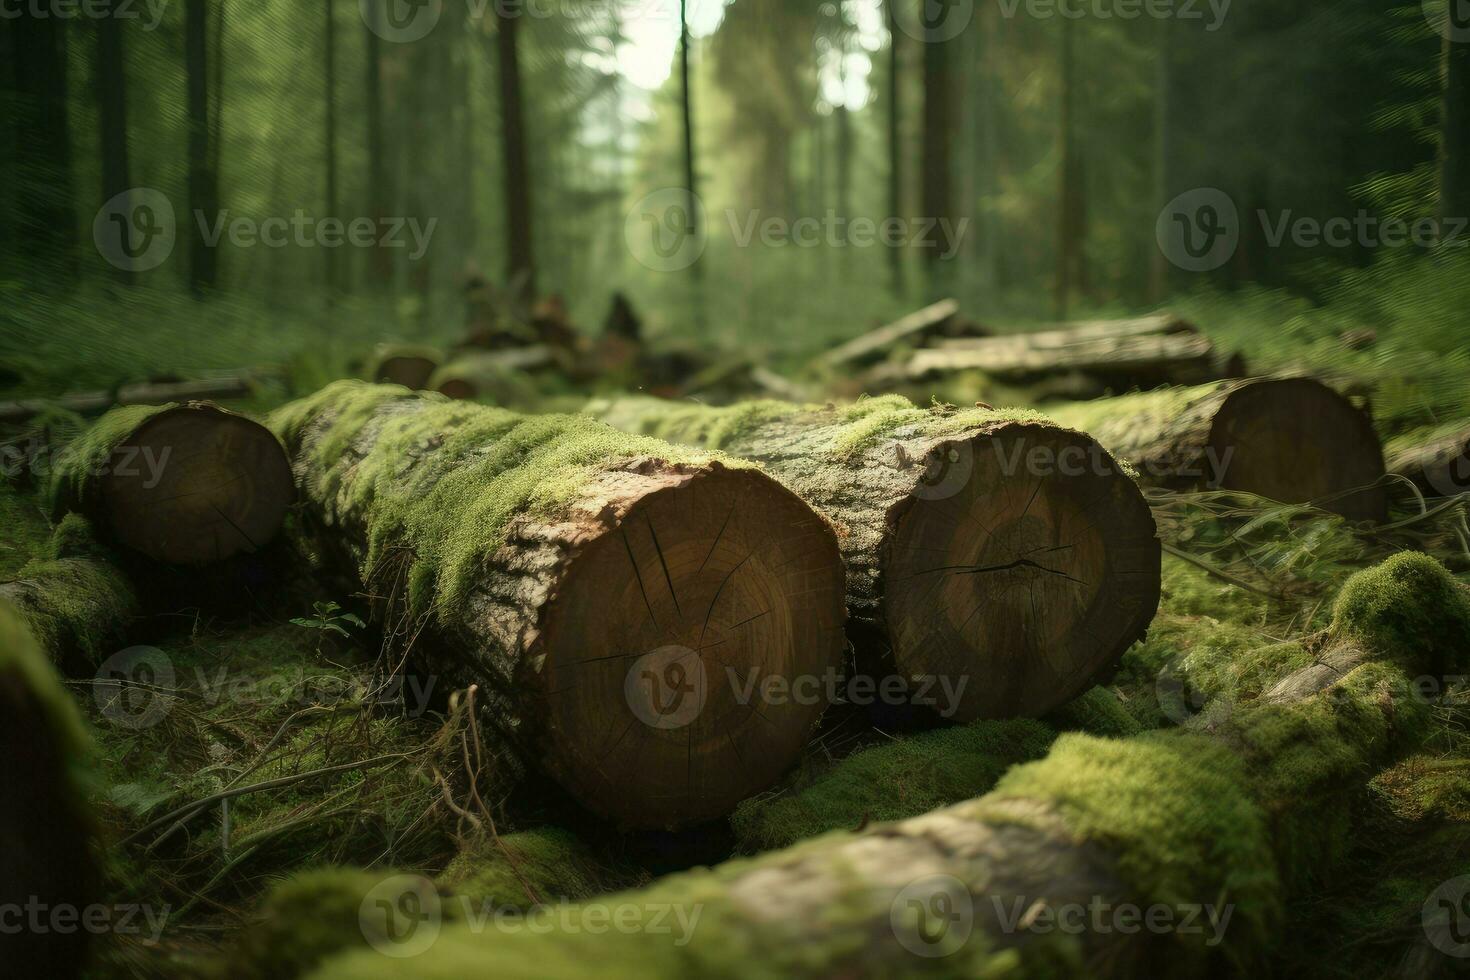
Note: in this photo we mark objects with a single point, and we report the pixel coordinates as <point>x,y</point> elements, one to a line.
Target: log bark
<point>147,393</point>
<point>611,593</point>
<point>49,857</point>
<point>996,551</point>
<point>1437,461</point>
<point>1294,440</point>
<point>185,484</point>
<point>875,344</point>
<point>1218,828</point>
<point>1178,358</point>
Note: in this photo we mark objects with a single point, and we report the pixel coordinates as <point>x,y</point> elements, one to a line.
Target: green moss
<point>71,483</point>
<point>21,657</point>
<point>1408,608</point>
<point>1113,421</point>
<point>531,867</point>
<point>446,478</point>
<point>1097,711</point>
<point>889,782</point>
<point>1174,812</point>
<point>78,604</point>
<point>1424,788</point>
<point>27,531</point>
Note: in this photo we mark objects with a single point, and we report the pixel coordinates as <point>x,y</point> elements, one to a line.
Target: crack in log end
<point>1023,582</point>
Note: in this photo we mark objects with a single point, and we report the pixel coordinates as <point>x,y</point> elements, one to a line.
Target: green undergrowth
<point>446,478</point>
<point>27,532</point>
<point>1096,711</point>
<point>900,779</point>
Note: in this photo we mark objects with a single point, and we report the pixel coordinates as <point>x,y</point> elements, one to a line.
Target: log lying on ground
<point>1437,460</point>
<point>873,345</point>
<point>996,552</point>
<point>148,393</point>
<point>405,364</point>
<point>614,593</point>
<point>498,378</point>
<point>1294,440</point>
<point>1170,853</point>
<point>48,861</point>
<point>181,484</point>
<point>77,605</point>
<point>1181,358</point>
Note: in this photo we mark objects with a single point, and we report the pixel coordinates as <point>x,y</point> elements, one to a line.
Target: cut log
<point>182,484</point>
<point>615,595</point>
<point>1171,853</point>
<point>1437,460</point>
<point>407,365</point>
<point>1294,440</point>
<point>1178,358</point>
<point>494,377</point>
<point>1066,334</point>
<point>872,346</point>
<point>995,551</point>
<point>48,862</point>
<point>149,393</point>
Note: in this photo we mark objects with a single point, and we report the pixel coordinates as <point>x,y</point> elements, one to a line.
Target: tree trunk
<point>109,79</point>
<point>613,595</point>
<point>992,550</point>
<point>938,193</point>
<point>50,857</point>
<point>1236,818</point>
<point>377,190</point>
<point>1069,191</point>
<point>521,266</point>
<point>691,172</point>
<point>47,220</point>
<point>1454,153</point>
<point>1163,82</point>
<point>203,181</point>
<point>895,146</point>
<point>329,64</point>
<point>1293,440</point>
<point>184,484</point>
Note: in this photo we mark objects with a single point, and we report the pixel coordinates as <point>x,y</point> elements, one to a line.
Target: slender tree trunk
<point>1454,154</point>
<point>47,221</point>
<point>521,265</point>
<point>895,147</point>
<point>1163,79</point>
<point>382,264</point>
<point>329,59</point>
<point>938,191</point>
<point>1068,196</point>
<point>109,79</point>
<point>203,185</point>
<point>690,181</point>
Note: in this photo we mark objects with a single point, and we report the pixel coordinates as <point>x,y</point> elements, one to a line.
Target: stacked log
<point>187,484</point>
<point>994,553</point>
<point>613,595</point>
<point>1167,853</point>
<point>1289,439</point>
<point>48,873</point>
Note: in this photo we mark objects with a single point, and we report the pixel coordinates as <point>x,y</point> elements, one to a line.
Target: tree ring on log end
<point>1027,580</point>
<point>1296,440</point>
<point>196,484</point>
<point>686,656</point>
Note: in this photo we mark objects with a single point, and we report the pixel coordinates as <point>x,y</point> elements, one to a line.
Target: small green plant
<point>329,618</point>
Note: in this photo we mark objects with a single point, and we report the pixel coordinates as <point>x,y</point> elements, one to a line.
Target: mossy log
<point>1437,459</point>
<point>48,862</point>
<point>496,377</point>
<point>409,365</point>
<point>1204,834</point>
<point>77,604</point>
<point>614,594</point>
<point>1290,439</point>
<point>875,344</point>
<point>187,484</point>
<point>993,550</point>
<point>1177,358</point>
